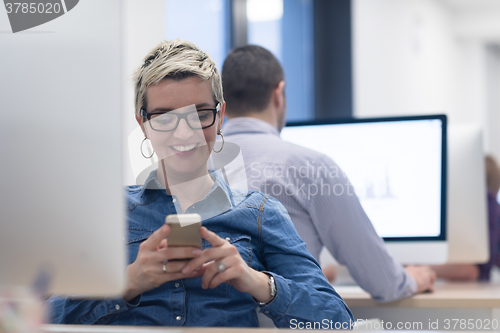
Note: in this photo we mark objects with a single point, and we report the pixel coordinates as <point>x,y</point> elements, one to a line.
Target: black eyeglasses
<point>168,121</point>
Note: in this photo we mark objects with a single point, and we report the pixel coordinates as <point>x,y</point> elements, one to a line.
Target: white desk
<point>149,329</point>
<point>477,301</point>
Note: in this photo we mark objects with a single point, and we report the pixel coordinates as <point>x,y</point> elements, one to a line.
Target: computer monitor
<point>468,233</point>
<point>61,195</point>
<point>397,167</point>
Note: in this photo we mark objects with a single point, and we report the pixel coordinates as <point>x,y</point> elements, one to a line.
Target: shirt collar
<point>217,201</point>
<point>152,183</point>
<point>242,125</point>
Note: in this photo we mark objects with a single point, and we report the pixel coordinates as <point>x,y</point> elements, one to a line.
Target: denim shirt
<point>259,227</point>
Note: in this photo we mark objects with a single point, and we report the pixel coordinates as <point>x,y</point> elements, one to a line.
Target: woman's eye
<point>203,115</point>
<point>163,119</point>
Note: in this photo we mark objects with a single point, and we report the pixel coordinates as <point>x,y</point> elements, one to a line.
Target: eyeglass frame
<point>180,116</point>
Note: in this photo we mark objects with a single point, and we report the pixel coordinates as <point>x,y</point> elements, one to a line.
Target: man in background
<point>253,83</point>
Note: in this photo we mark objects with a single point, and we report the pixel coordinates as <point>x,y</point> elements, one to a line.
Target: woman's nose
<point>183,131</point>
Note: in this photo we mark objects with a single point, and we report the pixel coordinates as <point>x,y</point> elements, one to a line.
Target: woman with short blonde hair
<point>251,256</point>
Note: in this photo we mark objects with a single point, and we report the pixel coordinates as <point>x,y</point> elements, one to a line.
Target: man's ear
<point>279,96</point>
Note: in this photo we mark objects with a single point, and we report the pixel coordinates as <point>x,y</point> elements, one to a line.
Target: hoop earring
<point>222,146</point>
<point>142,151</point>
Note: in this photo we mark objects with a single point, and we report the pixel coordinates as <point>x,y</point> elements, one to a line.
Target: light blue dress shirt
<point>259,227</point>
<point>321,203</point>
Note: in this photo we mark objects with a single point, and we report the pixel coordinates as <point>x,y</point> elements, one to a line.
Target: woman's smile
<point>185,150</point>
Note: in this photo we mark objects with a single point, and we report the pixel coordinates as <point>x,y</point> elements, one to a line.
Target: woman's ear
<point>141,124</point>
<point>222,114</point>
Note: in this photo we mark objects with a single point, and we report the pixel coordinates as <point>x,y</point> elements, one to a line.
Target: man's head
<point>177,60</point>
<point>253,83</point>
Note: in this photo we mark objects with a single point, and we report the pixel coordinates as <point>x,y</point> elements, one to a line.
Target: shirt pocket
<point>135,237</point>
<point>240,241</point>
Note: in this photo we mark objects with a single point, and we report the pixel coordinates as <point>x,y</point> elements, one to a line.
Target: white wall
<point>410,57</point>
<point>403,58</point>
<point>426,56</point>
<point>143,27</point>
<point>493,100</point>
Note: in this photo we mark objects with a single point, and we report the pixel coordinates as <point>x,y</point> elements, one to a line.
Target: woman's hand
<point>237,272</point>
<point>147,273</point>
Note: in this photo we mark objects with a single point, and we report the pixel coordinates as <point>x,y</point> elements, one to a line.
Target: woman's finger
<point>174,266</point>
<point>203,268</point>
<point>163,244</point>
<point>153,241</point>
<point>213,253</point>
<point>176,276</point>
<point>215,269</point>
<point>210,272</point>
<point>226,276</point>
<point>169,253</point>
<point>212,237</point>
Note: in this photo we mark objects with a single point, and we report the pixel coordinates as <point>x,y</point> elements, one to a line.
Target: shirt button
<point>174,200</point>
<point>266,312</point>
<point>228,239</point>
<point>177,285</point>
<point>117,307</point>
<point>178,318</point>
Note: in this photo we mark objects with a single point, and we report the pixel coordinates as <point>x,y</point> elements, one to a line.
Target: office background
<point>345,58</point>
<point>406,57</point>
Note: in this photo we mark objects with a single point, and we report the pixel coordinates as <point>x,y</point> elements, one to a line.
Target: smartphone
<point>184,230</point>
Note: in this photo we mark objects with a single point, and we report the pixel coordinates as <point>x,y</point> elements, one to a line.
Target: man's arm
<point>346,231</point>
<point>458,272</point>
<point>303,293</point>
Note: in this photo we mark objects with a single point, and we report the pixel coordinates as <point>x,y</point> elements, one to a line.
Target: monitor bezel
<point>444,157</point>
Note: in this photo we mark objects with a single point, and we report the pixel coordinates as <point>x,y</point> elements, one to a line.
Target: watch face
<point>272,284</point>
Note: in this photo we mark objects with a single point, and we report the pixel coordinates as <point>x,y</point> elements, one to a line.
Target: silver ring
<point>164,268</point>
<point>221,267</point>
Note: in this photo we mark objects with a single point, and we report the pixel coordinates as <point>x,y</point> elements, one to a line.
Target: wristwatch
<point>272,285</point>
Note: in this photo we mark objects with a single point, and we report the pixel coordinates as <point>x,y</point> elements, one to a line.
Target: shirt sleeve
<point>87,312</point>
<point>347,232</point>
<point>303,294</point>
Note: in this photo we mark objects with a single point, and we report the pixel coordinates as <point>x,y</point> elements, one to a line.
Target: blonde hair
<point>176,59</point>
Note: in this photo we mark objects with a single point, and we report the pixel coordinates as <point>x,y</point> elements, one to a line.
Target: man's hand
<point>330,272</point>
<point>457,272</point>
<point>424,275</point>
<point>146,272</point>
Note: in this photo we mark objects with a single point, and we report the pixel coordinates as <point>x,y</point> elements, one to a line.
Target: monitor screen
<point>395,165</point>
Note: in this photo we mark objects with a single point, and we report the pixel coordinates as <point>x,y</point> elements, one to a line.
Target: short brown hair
<point>249,75</point>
